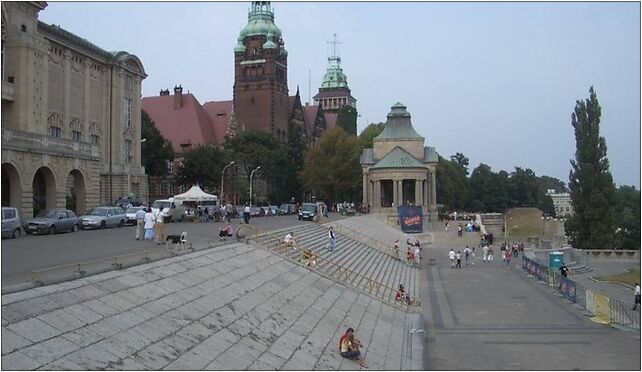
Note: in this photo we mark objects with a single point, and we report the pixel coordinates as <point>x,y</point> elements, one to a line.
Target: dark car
<point>307,211</point>
<point>285,209</point>
<point>51,221</point>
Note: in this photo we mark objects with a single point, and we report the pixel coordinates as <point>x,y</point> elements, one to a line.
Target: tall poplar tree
<point>590,181</point>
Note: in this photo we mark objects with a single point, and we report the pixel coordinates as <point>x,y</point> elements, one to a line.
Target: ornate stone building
<point>261,74</point>
<point>70,117</point>
<point>399,169</point>
<point>334,92</point>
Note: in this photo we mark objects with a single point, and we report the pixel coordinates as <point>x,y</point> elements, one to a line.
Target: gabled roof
<point>188,125</point>
<point>310,112</point>
<point>398,158</point>
<point>219,113</point>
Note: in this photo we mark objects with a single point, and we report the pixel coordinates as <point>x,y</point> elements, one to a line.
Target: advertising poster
<point>410,219</point>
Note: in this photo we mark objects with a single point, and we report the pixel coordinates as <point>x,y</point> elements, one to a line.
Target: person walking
<point>491,256</point>
<point>636,292</point>
<point>395,249</point>
<point>246,214</point>
<point>458,258</point>
<point>564,270</point>
<point>466,254</point>
<point>507,257</point>
<point>485,250</point>
<point>333,239</point>
<point>159,227</point>
<point>140,224</point>
<point>451,256</point>
<point>149,224</point>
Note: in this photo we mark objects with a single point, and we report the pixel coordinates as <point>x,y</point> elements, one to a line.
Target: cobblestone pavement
<point>231,307</point>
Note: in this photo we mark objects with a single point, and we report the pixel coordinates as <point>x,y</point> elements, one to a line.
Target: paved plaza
<point>238,306</point>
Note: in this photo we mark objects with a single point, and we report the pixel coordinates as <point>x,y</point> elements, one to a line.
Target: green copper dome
<point>398,125</point>
<point>269,44</point>
<point>260,21</point>
<point>334,76</point>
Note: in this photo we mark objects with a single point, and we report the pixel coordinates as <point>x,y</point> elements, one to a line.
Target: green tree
<point>155,151</point>
<point>523,184</point>
<point>590,181</point>
<point>461,160</point>
<point>369,133</point>
<point>332,168</point>
<point>202,165</point>
<point>251,149</point>
<point>296,149</point>
<point>347,119</point>
<point>627,211</point>
<point>452,185</point>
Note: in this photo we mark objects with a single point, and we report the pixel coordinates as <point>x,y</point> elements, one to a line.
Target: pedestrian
<point>149,224</point>
<point>418,255</point>
<point>485,250</point>
<point>333,239</point>
<point>458,258</point>
<point>289,240</point>
<point>502,249</point>
<point>564,270</point>
<point>140,223</point>
<point>350,349</point>
<point>466,254</point>
<point>490,254</point>
<point>446,226</point>
<point>508,256</point>
<point>159,227</point>
<point>246,214</point>
<point>228,213</point>
<point>636,301</point>
<point>395,249</point>
<point>451,256</point>
<point>410,257</point>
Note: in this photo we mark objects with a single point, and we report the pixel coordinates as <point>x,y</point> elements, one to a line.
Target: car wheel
<point>16,233</point>
<point>103,224</point>
<point>52,229</point>
<point>121,223</point>
<point>75,228</point>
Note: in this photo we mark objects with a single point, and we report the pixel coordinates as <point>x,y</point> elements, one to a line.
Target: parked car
<point>269,211</point>
<point>171,211</point>
<point>11,223</point>
<point>50,221</point>
<point>307,211</point>
<point>130,213</point>
<point>274,210</point>
<point>286,209</point>
<point>101,217</point>
<point>128,202</point>
<point>256,211</point>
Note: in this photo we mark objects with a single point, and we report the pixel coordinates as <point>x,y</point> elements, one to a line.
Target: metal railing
<point>604,309</point>
<point>343,230</point>
<point>341,272</point>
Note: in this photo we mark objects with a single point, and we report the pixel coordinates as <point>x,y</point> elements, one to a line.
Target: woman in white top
<point>149,224</point>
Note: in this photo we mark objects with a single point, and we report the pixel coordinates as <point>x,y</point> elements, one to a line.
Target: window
<point>76,135</point>
<point>95,139</point>
<point>128,151</point>
<point>8,213</point>
<point>159,187</point>
<point>55,131</point>
<point>170,166</point>
<point>181,189</point>
<point>128,82</point>
<point>127,110</point>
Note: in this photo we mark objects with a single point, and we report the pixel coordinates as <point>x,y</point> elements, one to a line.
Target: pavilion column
<point>395,194</point>
<point>418,193</point>
<point>433,193</point>
<point>366,194</point>
<point>377,195</point>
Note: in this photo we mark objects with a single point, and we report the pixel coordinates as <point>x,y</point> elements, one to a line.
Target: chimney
<point>178,97</point>
<point>164,92</point>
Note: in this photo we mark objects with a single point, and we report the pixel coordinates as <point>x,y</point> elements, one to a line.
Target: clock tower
<point>260,74</point>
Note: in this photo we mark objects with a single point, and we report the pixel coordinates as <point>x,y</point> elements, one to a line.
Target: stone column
<point>395,194</point>
<point>66,91</point>
<point>366,195</point>
<point>376,203</point>
<point>400,192</point>
<point>433,196</point>
<point>418,200</point>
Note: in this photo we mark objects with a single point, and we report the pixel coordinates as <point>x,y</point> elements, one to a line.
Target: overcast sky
<point>495,81</point>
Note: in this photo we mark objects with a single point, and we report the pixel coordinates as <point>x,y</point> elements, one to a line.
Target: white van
<point>169,209</point>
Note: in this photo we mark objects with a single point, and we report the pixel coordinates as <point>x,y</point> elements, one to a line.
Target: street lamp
<point>222,174</point>
<point>252,175</point>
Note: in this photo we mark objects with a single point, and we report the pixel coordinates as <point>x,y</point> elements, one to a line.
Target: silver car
<point>131,214</point>
<point>11,223</point>
<point>101,217</point>
<point>50,221</point>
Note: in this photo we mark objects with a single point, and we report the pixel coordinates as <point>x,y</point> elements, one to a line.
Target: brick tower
<point>261,74</point>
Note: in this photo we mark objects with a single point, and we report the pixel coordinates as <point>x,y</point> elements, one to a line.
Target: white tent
<point>195,194</point>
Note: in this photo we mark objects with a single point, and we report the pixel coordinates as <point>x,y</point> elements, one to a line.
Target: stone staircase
<point>494,223</point>
<point>352,263</point>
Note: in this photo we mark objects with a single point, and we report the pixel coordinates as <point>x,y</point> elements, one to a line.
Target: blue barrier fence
<point>621,312</point>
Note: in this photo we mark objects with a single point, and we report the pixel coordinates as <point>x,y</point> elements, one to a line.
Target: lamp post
<point>222,174</point>
<point>252,175</point>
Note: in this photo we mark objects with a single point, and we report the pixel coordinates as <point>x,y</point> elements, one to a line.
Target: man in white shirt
<point>451,255</point>
<point>159,227</point>
<point>140,223</point>
<point>290,241</point>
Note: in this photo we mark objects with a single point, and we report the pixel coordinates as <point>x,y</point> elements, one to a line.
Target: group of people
<point>455,257</point>
<point>349,347</point>
<point>150,226</point>
<point>413,251</point>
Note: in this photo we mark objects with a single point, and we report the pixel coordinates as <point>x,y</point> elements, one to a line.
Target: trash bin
<point>555,260</point>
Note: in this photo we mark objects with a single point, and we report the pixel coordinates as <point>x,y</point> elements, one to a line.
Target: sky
<point>496,81</point>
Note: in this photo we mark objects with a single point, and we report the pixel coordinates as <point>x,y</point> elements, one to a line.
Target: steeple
<point>334,92</point>
<point>334,76</point>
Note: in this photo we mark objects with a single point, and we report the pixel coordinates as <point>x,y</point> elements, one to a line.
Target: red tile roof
<point>310,112</point>
<point>188,125</point>
<point>219,113</point>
